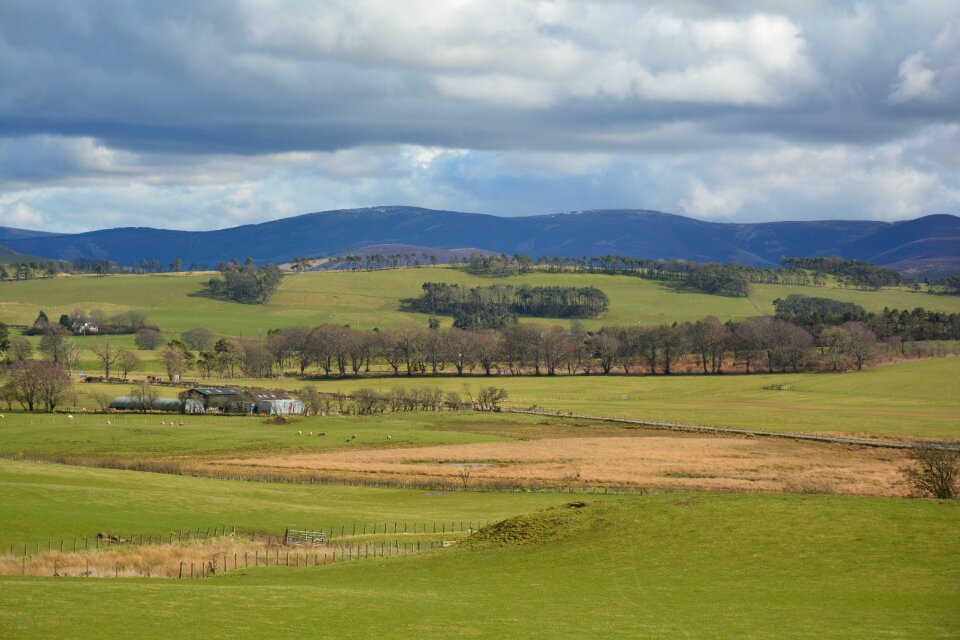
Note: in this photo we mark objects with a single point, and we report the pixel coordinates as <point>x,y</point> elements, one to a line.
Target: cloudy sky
<point>201,115</point>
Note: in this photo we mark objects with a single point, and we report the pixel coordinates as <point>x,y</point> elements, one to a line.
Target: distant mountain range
<point>925,246</point>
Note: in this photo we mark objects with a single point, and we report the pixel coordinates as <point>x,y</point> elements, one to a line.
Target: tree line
<point>760,344</point>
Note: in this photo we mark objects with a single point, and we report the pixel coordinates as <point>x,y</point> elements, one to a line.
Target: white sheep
<point>163,422</point>
<point>299,433</point>
<point>310,433</point>
<point>389,437</point>
<point>109,423</point>
<point>69,416</point>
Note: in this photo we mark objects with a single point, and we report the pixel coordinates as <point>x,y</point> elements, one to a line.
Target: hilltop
<point>925,246</point>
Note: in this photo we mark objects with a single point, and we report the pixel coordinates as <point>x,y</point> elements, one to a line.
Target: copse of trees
<point>720,279</point>
<point>245,283</point>
<point>810,312</point>
<point>814,314</point>
<point>494,306</point>
<point>854,272</point>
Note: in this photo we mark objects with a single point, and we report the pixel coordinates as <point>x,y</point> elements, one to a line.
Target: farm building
<point>225,399</point>
<point>276,403</point>
<point>172,405</point>
<point>237,400</point>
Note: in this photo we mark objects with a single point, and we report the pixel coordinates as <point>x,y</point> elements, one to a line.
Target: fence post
<point>181,569</point>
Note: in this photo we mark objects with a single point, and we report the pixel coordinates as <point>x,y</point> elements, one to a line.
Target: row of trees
<point>708,345</point>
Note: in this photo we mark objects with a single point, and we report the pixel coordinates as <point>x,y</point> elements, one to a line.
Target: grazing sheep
<point>310,433</point>
<point>322,433</point>
<point>163,422</point>
<point>347,440</point>
<point>109,423</point>
<point>389,437</point>
<point>70,416</point>
<point>299,433</point>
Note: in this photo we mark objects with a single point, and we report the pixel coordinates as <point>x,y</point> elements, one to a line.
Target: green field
<point>659,566</point>
<point>917,398</point>
<point>912,398</point>
<point>135,436</point>
<point>372,299</point>
<point>41,502</point>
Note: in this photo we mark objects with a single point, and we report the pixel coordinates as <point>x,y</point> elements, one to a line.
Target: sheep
<point>109,423</point>
<point>69,416</point>
<point>322,433</point>
<point>389,437</point>
<point>299,433</point>
<point>163,422</point>
<point>310,433</point>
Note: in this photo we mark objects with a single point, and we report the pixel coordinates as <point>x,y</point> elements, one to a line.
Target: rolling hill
<point>917,246</point>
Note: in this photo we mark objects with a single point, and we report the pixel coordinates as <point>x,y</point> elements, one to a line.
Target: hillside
<point>911,245</point>
<point>365,300</point>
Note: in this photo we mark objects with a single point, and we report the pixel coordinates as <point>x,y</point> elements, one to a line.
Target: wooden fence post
<point>181,569</point>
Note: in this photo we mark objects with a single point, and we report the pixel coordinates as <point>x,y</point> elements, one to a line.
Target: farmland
<point>681,535</point>
<point>365,300</point>
<point>911,399</point>
<point>664,565</point>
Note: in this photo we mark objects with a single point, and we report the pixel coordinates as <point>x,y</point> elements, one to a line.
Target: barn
<point>276,403</point>
<point>225,399</point>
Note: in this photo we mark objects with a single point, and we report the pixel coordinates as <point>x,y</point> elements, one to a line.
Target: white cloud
<point>915,80</point>
<point>717,204</point>
<point>19,214</point>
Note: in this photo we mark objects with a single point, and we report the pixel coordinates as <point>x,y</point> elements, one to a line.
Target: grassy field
<point>372,299</point>
<point>662,566</point>
<point>913,398</point>
<point>43,502</point>
<point>137,436</point>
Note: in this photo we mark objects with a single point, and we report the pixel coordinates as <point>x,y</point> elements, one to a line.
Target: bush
<point>148,339</point>
<point>935,472</point>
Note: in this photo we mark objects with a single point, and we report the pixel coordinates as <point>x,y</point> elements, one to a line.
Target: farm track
<point>696,428</point>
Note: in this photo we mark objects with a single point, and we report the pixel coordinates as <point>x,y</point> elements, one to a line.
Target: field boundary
<point>701,428</point>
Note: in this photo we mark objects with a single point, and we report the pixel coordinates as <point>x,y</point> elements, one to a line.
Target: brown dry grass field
<point>717,463</point>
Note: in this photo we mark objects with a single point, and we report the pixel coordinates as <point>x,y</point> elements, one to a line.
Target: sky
<point>205,115</point>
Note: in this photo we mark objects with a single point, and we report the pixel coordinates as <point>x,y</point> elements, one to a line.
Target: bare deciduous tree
<point>935,472</point>
<point>107,353</point>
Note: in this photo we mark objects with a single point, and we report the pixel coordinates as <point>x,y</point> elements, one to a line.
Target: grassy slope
<point>42,502</point>
<point>665,566</point>
<point>368,299</point>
